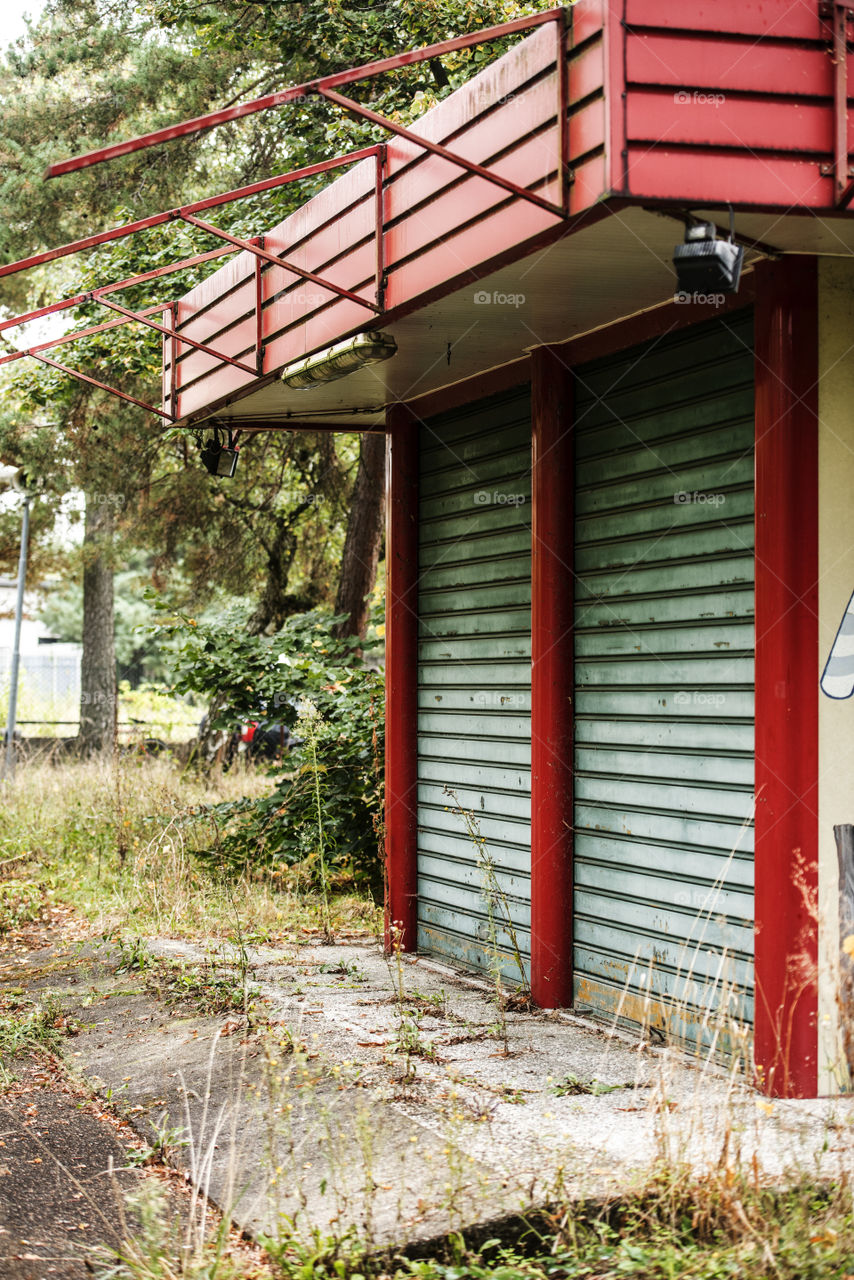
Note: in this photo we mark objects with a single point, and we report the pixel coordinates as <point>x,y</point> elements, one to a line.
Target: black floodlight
<point>219,453</point>
<point>704,264</point>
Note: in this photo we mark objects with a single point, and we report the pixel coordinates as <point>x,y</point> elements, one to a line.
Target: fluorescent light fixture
<point>336,362</point>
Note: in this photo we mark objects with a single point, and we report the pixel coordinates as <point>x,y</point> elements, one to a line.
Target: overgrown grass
<point>37,1026</point>
<point>26,1029</point>
<point>717,1227</point>
<point>132,847</point>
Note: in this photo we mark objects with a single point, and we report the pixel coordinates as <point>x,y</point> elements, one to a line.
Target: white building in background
<point>49,680</point>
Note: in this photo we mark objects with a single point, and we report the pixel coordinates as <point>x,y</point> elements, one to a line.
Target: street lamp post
<point>18,481</point>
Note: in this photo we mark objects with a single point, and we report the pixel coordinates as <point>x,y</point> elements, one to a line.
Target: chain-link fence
<point>48,688</point>
<point>49,697</point>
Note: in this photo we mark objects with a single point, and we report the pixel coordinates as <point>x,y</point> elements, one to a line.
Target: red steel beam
<point>282,96</point>
<point>562,75</point>
<point>79,333</point>
<point>102,386</point>
<point>437,149</point>
<point>276,262</point>
<point>259,312</point>
<point>171,333</point>
<point>199,206</point>
<point>379,224</point>
<point>841,14</point>
<point>173,362</point>
<point>552,667</point>
<point>786,859</point>
<point>401,771</point>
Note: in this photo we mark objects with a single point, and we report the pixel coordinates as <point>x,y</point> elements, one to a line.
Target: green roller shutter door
<point>474,682</point>
<point>664,681</point>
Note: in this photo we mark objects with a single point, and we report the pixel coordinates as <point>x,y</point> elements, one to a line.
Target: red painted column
<point>786,676</point>
<point>552,606</point>
<point>401,674</point>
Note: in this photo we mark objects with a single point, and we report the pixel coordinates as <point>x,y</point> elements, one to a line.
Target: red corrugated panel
<point>587,18</point>
<point>730,102</point>
<point>728,120</point>
<point>795,20</point>
<point>727,65</point>
<point>587,130</point>
<point>587,71</point>
<point>692,178</point>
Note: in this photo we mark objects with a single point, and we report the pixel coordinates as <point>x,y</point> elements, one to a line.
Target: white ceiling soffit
<point>615,268</point>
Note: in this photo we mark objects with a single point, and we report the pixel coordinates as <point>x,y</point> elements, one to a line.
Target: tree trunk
<point>98,695</point>
<point>364,537</point>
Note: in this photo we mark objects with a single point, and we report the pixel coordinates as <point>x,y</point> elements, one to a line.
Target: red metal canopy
<point>605,105</point>
<point>262,256</point>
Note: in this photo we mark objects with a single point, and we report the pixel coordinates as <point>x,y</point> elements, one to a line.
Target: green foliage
<point>62,614</point>
<point>21,902</point>
<point>700,1229</point>
<point>38,1026</point>
<point>92,72</point>
<point>268,679</point>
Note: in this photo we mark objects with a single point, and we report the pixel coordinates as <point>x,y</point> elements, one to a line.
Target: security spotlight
<point>219,453</point>
<point>21,480</point>
<point>705,264</point>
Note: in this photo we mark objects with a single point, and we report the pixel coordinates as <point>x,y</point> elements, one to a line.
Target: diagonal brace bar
<point>171,333</point>
<point>80,298</point>
<point>102,386</point>
<point>298,92</point>
<point>199,206</point>
<point>349,105</point>
<point>79,333</point>
<point>276,262</point>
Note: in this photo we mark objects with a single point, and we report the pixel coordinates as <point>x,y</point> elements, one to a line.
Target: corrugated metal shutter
<point>664,681</point>
<point>474,681</point>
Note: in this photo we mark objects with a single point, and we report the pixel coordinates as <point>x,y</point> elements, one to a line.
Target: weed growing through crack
<point>21,902</point>
<point>310,728</point>
<point>572,1085</point>
<point>498,919</point>
<point>408,1040</point>
<point>134,953</point>
<point>209,989</point>
<point>37,1027</point>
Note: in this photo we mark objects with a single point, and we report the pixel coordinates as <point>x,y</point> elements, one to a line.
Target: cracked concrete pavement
<point>381,1098</point>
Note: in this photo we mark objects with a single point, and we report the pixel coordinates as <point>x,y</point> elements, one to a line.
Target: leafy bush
<point>270,679</point>
<point>21,901</point>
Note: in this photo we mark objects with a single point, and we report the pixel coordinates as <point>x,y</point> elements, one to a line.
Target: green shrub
<point>270,679</point>
<point>21,901</point>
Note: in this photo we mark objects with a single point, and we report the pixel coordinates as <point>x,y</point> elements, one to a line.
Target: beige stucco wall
<point>836,583</point>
